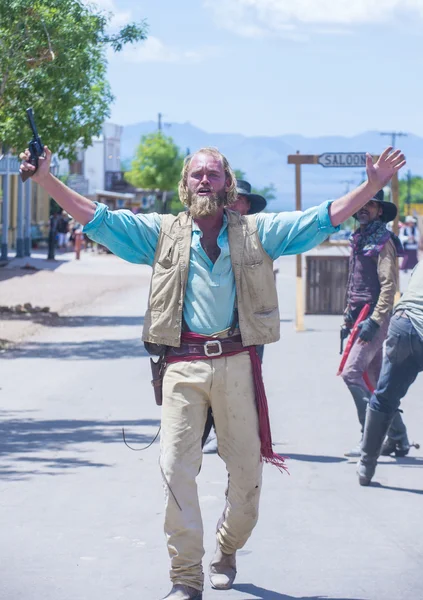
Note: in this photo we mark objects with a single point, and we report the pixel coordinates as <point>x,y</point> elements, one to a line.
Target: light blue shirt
<point>210,293</point>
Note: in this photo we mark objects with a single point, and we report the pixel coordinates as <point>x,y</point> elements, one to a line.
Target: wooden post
<point>299,304</point>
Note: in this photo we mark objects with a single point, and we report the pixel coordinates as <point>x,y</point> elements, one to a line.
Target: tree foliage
<point>412,190</point>
<point>157,165</point>
<point>53,58</point>
<point>268,192</point>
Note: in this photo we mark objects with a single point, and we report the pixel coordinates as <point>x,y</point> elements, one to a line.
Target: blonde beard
<point>204,206</point>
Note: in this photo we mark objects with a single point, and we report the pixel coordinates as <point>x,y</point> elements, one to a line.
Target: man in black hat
<point>371,289</point>
<point>246,203</point>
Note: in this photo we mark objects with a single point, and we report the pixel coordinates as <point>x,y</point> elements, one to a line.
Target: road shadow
<point>53,320</point>
<point>29,266</point>
<point>260,593</point>
<point>314,458</point>
<point>30,446</point>
<point>91,349</point>
<point>376,484</point>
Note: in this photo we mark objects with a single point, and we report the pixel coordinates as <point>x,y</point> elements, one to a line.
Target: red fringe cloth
<point>266,450</point>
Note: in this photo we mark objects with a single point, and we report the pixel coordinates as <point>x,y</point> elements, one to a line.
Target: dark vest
<point>363,285</point>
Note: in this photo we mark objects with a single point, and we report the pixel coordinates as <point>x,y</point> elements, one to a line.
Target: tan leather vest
<point>257,300</point>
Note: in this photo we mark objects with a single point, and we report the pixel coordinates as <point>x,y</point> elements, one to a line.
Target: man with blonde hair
<point>212,301</point>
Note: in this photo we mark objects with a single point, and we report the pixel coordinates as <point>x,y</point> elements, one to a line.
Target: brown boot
<point>184,592</point>
<point>222,570</point>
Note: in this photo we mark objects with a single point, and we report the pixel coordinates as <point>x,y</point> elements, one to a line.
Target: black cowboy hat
<point>257,202</point>
<point>389,209</point>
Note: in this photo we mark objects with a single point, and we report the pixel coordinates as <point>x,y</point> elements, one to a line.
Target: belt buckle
<point>210,344</point>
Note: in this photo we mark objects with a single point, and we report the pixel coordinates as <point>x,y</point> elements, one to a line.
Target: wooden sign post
<point>340,160</point>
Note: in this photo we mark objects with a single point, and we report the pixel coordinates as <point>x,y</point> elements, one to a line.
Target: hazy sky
<point>270,67</point>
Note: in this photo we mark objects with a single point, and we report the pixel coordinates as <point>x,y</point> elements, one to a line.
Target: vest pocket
<point>168,256</point>
<point>165,288</point>
<point>259,282</point>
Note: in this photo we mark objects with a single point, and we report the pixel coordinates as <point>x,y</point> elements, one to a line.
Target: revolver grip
<point>33,160</point>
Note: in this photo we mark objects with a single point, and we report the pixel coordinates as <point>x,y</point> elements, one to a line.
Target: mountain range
<point>264,158</point>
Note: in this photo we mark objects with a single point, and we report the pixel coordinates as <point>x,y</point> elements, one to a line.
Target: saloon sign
<point>342,159</point>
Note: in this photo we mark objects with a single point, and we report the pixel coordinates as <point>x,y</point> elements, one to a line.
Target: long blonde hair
<point>231,193</point>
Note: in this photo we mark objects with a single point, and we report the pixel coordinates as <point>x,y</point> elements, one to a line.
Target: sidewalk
<point>60,285</point>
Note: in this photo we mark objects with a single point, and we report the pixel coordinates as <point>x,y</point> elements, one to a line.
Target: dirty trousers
<point>189,389</point>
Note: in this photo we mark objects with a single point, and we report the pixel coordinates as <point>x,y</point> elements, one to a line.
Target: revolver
<point>36,147</point>
<point>343,334</point>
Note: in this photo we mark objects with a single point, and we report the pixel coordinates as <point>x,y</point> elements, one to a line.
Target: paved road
<point>81,516</point>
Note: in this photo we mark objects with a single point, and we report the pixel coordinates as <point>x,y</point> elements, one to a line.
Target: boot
<point>397,440</point>
<point>222,570</point>
<point>361,399</point>
<point>184,592</point>
<point>377,424</point>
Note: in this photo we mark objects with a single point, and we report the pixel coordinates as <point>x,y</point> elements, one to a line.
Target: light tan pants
<point>189,388</point>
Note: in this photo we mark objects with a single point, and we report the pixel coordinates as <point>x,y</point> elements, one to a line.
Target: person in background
<point>62,230</point>
<point>410,238</point>
<point>402,362</point>
<point>372,281</point>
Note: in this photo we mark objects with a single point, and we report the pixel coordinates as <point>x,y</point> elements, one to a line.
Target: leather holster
<point>157,372</point>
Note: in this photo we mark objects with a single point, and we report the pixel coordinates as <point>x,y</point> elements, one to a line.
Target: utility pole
<point>159,121</point>
<point>393,185</point>
<point>394,135</point>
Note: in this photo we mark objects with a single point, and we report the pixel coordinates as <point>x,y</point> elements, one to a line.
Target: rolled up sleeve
<point>294,232</point>
<point>131,237</point>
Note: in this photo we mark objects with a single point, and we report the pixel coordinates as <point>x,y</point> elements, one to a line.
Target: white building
<point>89,172</point>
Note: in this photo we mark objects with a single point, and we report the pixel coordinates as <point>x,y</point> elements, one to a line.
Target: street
<point>82,515</point>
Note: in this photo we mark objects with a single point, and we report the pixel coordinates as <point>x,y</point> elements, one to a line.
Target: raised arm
<point>81,209</point>
<point>132,237</point>
<point>378,175</point>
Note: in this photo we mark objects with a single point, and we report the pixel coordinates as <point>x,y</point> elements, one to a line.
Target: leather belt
<point>209,349</point>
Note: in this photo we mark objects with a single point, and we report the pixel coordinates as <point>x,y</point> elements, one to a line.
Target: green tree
<point>240,174</point>
<point>268,192</point>
<point>411,189</point>
<point>157,165</point>
<point>53,58</point>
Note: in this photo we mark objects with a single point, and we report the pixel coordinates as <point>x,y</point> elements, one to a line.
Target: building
<point>96,173</point>
<point>24,209</point>
<point>95,164</point>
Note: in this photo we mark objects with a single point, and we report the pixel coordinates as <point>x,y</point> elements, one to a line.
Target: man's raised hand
<point>43,165</point>
<point>381,173</point>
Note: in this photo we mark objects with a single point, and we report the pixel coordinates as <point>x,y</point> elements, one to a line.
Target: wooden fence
<point>326,282</point>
